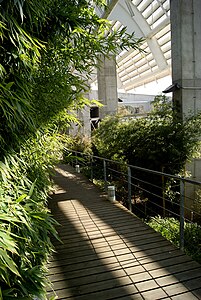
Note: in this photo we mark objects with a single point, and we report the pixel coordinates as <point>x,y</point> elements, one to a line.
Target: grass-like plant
<point>25,221</point>
<point>169,228</point>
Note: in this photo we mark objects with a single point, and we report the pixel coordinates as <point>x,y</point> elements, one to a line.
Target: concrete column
<point>107,86</point>
<point>84,116</point>
<point>84,128</point>
<point>186,70</point>
<point>186,55</point>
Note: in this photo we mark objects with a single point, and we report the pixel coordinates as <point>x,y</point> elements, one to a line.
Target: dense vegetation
<point>158,142</point>
<point>48,49</point>
<point>155,142</point>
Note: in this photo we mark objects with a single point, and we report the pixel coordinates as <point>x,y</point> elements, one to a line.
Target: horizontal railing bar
<point>140,168</point>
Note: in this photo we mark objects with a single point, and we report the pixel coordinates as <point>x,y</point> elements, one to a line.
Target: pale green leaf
<point>10,264</point>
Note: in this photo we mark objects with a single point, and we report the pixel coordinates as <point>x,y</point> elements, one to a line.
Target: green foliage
<point>155,142</point>
<point>75,42</point>
<point>48,50</point>
<point>25,222</point>
<point>197,206</point>
<point>20,54</point>
<point>79,143</point>
<point>169,228</point>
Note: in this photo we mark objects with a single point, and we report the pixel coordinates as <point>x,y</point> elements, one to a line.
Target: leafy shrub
<point>155,142</point>
<point>158,142</point>
<point>25,222</point>
<point>169,228</point>
<point>79,143</point>
<point>197,206</point>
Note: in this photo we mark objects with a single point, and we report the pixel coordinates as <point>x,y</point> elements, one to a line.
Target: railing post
<point>91,164</point>
<point>77,168</point>
<point>76,158</point>
<point>105,175</point>
<point>163,191</point>
<point>129,189</point>
<point>182,214</point>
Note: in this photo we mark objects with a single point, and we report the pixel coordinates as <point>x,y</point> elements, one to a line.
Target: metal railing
<point>147,193</point>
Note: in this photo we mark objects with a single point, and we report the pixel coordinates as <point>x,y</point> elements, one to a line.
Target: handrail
<point>143,186</point>
<point>186,179</point>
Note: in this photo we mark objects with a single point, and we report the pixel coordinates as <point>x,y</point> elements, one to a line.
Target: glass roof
<point>149,19</point>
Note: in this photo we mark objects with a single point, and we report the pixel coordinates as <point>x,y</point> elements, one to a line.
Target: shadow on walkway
<point>108,253</point>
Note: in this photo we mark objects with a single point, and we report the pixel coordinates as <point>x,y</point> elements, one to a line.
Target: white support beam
<point>109,9</point>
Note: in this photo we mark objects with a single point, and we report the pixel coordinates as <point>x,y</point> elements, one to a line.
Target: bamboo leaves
<point>48,50</point>
<point>8,247</point>
<point>6,242</point>
<point>25,222</point>
<point>20,6</point>
<point>8,263</point>
<point>20,56</point>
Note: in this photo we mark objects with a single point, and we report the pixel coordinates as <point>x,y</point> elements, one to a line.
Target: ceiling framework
<point>149,19</point>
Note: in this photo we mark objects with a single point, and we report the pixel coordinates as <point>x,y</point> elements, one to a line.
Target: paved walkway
<point>108,253</point>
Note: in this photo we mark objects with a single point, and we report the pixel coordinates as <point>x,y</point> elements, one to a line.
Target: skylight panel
<point>158,21</point>
<point>152,63</point>
<point>166,47</point>
<point>163,31</point>
<point>146,72</point>
<point>164,39</point>
<point>151,9</point>
<point>129,80</point>
<point>168,54</point>
<point>166,5</point>
<point>155,16</point>
<point>142,69</point>
<point>155,68</point>
<point>137,2</point>
<point>143,5</point>
<point>169,62</point>
<point>134,74</point>
<point>149,56</point>
<point>122,74</point>
<point>141,62</point>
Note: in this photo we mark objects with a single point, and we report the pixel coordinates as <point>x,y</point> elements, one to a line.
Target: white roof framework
<point>149,19</point>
